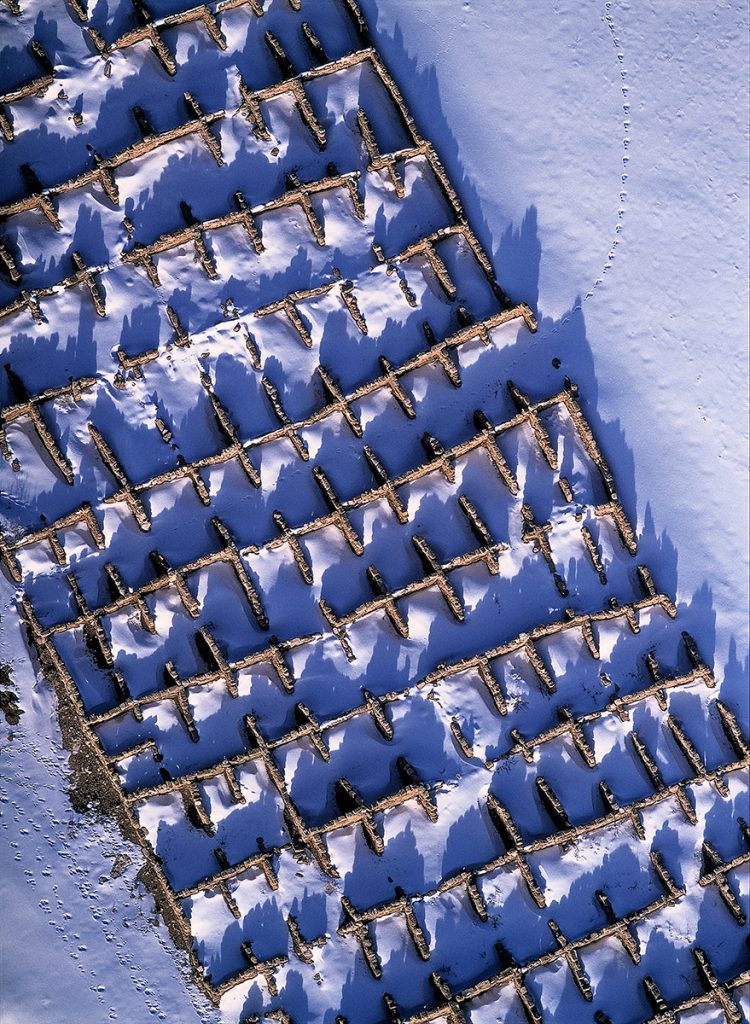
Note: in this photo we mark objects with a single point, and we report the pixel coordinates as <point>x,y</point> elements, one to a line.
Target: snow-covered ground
<point>600,153</point>
<point>641,284</point>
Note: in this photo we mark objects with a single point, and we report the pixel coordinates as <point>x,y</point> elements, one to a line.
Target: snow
<point>641,285</point>
<point>599,151</point>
